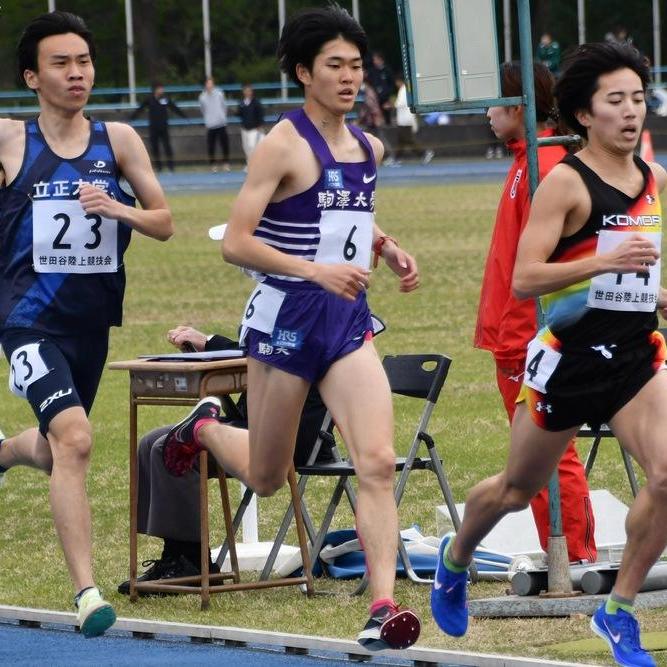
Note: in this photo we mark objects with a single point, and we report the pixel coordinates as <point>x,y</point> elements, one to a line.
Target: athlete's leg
<point>28,448</point>
<point>262,455</point>
<point>70,439</point>
<point>576,508</point>
<point>357,392</point>
<point>533,456</point>
<point>641,427</point>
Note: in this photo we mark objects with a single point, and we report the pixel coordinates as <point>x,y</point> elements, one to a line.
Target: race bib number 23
<point>66,239</point>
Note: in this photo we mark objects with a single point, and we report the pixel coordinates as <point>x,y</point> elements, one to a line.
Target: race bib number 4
<point>25,367</point>
<point>345,237</point>
<point>625,291</point>
<point>541,363</point>
<point>66,239</point>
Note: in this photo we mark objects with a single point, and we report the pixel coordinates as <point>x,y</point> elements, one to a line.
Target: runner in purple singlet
<point>303,224</point>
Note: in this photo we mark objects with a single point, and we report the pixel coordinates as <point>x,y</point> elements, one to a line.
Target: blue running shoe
<point>621,632</point>
<point>449,604</point>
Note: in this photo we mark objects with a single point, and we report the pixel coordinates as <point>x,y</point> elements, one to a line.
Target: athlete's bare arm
<point>154,218</point>
<point>560,207</point>
<point>278,161</point>
<point>660,176</point>
<point>399,261</point>
<point>12,144</point>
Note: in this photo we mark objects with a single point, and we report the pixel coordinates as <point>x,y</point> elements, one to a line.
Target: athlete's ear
<point>583,116</point>
<point>303,74</point>
<point>30,79</point>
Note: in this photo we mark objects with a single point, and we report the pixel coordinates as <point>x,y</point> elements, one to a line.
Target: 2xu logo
<point>61,393</point>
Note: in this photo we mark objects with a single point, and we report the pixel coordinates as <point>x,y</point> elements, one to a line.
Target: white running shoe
<point>95,615</point>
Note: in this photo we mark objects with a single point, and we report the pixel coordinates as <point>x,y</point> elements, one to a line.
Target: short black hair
<point>45,25</point>
<point>581,76</point>
<point>305,33</point>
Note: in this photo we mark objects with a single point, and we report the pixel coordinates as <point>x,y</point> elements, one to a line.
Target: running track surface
<point>61,648</point>
<point>436,173</point>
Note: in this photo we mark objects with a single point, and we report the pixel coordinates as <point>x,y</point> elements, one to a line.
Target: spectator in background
<point>158,105</point>
<point>371,119</point>
<point>408,125</point>
<point>251,113</point>
<point>548,53</point>
<point>382,80</point>
<point>619,35</point>
<point>168,506</point>
<point>214,110</point>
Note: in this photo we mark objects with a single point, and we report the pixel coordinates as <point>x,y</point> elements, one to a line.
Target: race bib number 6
<point>541,363</point>
<point>25,367</point>
<point>66,239</point>
<point>346,237</point>
<point>262,308</point>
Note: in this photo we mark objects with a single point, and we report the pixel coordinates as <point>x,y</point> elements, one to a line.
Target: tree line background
<point>169,44</point>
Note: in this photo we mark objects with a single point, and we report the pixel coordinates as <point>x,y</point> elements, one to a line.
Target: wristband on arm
<point>378,245</point>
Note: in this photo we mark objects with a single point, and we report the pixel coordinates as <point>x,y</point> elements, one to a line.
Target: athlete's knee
<point>514,497</point>
<point>266,485</point>
<point>656,481</point>
<point>73,443</point>
<point>376,465</point>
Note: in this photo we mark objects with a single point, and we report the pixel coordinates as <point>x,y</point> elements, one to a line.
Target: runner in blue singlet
<point>65,223</point>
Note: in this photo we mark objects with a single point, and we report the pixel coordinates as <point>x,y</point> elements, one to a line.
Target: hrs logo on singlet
<point>333,178</point>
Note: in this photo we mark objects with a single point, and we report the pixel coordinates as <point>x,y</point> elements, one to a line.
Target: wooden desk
<point>182,383</point>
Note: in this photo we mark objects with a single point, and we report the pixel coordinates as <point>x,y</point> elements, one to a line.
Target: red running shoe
<point>390,627</point>
<point>180,447</point>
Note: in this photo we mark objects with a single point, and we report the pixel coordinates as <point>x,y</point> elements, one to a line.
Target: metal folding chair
<point>419,376</point>
<point>598,434</point>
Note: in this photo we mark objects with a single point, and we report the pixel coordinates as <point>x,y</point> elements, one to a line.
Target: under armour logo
<point>604,350</point>
<point>546,407</point>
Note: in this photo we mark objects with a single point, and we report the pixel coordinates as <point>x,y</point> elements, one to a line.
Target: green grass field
<point>185,281</point>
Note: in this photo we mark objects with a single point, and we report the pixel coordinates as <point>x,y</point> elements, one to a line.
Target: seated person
<point>168,506</point>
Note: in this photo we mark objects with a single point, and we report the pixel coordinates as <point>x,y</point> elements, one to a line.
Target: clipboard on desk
<point>213,355</point>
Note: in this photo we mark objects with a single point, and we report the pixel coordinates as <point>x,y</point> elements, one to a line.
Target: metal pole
<point>581,21</point>
<point>507,30</point>
<point>129,38</point>
<point>528,85</point>
<point>281,23</point>
<point>657,55</point>
<point>355,9</point>
<point>558,573</point>
<point>207,38</point>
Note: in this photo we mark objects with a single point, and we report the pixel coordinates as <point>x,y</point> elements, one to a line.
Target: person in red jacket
<point>505,325</point>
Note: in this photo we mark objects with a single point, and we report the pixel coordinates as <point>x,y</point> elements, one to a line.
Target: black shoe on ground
<point>180,448</point>
<point>165,568</point>
<point>390,628</point>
